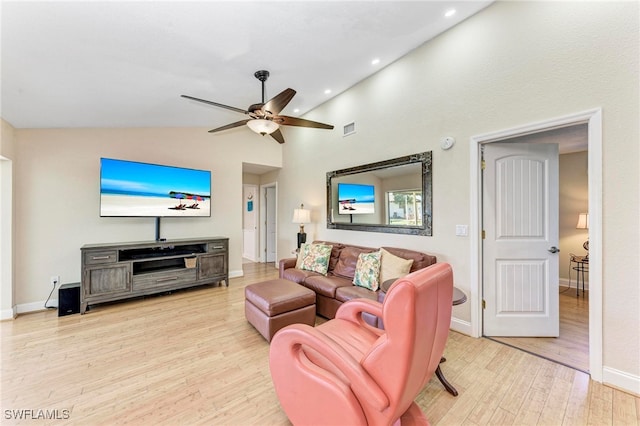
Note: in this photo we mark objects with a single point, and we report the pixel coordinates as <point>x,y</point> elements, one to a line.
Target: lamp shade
<point>301,216</point>
<point>263,127</point>
<point>583,221</point>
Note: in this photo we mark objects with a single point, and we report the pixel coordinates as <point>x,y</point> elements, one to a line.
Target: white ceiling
<point>125,64</point>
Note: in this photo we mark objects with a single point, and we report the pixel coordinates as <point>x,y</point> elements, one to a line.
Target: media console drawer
<point>178,277</point>
<point>99,257</point>
<point>220,246</point>
<point>119,271</point>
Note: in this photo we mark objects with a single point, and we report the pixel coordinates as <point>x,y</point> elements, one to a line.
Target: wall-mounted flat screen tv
<point>356,198</point>
<point>129,188</point>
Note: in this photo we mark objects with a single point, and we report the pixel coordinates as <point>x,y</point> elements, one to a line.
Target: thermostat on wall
<point>447,142</point>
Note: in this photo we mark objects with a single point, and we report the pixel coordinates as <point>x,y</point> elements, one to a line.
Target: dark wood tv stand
<point>116,271</point>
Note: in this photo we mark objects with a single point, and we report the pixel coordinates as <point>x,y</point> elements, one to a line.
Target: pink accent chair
<point>346,372</point>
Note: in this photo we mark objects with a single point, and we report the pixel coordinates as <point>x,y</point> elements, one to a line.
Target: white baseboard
<point>461,326</point>
<point>621,380</point>
<point>565,283</point>
<point>34,306</point>
<point>7,314</point>
<point>236,274</point>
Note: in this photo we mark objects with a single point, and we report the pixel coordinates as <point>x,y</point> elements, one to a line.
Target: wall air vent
<point>349,129</point>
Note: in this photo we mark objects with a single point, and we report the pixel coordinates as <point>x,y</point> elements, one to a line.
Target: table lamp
<point>583,223</point>
<point>301,216</point>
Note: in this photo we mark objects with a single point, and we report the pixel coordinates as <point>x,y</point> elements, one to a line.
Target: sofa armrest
<point>286,264</point>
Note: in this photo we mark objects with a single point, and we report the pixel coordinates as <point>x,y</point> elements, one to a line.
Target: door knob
<point>554,249</point>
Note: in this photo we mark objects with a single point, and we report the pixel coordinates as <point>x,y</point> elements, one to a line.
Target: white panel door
<point>520,255</point>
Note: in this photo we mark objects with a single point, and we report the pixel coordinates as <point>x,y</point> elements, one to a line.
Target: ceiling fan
<point>264,117</point>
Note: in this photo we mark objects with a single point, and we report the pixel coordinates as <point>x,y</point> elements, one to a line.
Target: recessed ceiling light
<point>296,110</point>
<point>449,13</point>
<point>376,61</point>
<point>326,92</point>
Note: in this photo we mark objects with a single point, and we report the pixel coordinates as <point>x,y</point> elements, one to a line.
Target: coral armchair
<point>347,372</point>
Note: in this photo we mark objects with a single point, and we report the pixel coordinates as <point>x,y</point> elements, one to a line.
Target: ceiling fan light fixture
<point>262,126</point>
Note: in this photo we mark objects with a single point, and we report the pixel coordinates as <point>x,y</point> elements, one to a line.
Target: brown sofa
<point>337,286</point>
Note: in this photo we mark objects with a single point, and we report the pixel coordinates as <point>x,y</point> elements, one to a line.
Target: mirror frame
<point>425,158</point>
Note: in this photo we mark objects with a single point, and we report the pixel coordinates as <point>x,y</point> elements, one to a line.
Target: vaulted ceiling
<point>125,64</point>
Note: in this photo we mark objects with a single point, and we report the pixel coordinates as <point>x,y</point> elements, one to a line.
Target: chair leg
<point>444,381</point>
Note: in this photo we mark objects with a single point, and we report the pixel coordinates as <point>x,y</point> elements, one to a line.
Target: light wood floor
<point>191,358</point>
<point>571,348</point>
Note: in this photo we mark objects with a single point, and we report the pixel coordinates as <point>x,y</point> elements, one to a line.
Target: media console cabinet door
<point>107,280</point>
<point>212,266</point>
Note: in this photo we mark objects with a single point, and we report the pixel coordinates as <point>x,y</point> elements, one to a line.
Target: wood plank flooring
<point>571,348</point>
<point>191,358</point>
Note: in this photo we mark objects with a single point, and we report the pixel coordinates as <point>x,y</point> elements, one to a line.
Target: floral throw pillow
<point>302,253</point>
<point>315,258</point>
<point>368,271</point>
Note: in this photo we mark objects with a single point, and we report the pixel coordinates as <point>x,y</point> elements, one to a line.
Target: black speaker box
<point>69,299</point>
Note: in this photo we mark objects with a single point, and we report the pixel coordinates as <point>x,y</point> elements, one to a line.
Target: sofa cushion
<point>316,258</point>
<point>348,260</point>
<point>420,260</point>
<point>344,294</point>
<point>296,275</point>
<point>368,271</point>
<point>326,286</point>
<point>392,266</point>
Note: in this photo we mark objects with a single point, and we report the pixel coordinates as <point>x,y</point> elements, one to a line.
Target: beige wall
<point>574,199</point>
<point>57,195</point>
<point>512,64</point>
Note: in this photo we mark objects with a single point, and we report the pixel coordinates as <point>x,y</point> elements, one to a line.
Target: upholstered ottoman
<point>272,305</point>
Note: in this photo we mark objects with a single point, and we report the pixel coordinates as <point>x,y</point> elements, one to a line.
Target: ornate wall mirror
<point>392,196</point>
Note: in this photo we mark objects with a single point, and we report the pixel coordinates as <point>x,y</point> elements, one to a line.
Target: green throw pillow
<point>368,271</point>
<point>315,258</point>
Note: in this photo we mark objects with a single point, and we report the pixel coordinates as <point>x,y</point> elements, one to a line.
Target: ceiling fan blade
<point>301,122</point>
<point>277,135</point>
<point>229,126</point>
<point>278,102</point>
<point>242,111</point>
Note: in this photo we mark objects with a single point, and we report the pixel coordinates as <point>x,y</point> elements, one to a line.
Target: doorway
<point>542,313</point>
<point>593,120</point>
<point>249,221</point>
<point>268,217</point>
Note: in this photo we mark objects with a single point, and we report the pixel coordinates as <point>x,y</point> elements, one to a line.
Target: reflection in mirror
<point>388,196</point>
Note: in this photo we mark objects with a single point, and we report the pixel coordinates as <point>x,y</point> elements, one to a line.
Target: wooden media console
<point>116,271</point>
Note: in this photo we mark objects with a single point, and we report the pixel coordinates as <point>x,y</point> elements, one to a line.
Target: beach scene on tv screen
<point>355,199</point>
<point>139,189</point>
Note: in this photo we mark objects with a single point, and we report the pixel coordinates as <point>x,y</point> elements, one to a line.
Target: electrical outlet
<point>55,280</point>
